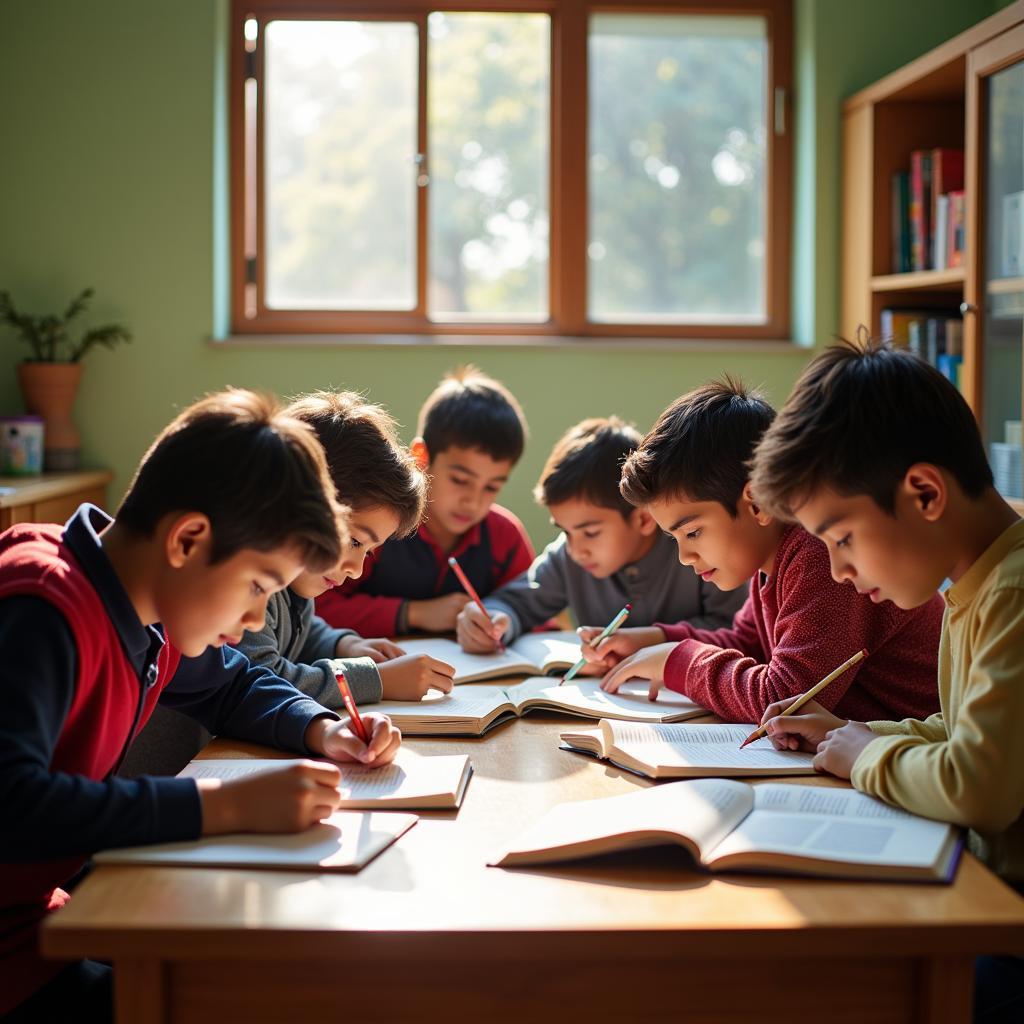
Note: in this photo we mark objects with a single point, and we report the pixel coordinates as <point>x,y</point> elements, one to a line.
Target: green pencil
<point>606,632</point>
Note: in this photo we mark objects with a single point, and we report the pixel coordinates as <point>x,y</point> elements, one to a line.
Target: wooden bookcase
<point>942,99</point>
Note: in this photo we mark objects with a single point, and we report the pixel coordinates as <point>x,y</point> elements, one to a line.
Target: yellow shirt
<point>966,764</point>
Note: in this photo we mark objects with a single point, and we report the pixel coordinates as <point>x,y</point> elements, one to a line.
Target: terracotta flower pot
<point>49,390</point>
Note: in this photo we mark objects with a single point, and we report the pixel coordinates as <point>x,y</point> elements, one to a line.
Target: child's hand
<point>841,747</point>
<point>287,799</point>
<point>337,741</point>
<point>380,649</point>
<point>438,614</point>
<point>648,664</point>
<point>621,644</point>
<point>409,677</point>
<point>478,634</point>
<point>802,731</point>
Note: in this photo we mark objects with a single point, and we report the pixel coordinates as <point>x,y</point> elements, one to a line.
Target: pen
<point>471,590</point>
<point>606,632</point>
<point>358,725</point>
<point>804,698</point>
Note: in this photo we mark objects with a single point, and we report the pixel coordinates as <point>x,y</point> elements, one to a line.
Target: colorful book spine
<point>900,222</point>
<point>957,229</point>
<point>920,208</point>
<point>947,176</point>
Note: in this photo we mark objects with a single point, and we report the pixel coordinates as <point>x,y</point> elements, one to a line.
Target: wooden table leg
<point>946,990</point>
<point>140,991</point>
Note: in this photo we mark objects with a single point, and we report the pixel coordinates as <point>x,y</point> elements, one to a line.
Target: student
<point>608,554</point>
<point>385,491</point>
<point>471,434</point>
<point>691,474</point>
<point>877,454</point>
<point>102,618</point>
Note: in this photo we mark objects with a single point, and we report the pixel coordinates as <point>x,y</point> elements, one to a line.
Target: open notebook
<point>731,826</point>
<point>472,710</point>
<point>532,654</point>
<point>411,782</point>
<point>686,751</point>
<point>345,841</point>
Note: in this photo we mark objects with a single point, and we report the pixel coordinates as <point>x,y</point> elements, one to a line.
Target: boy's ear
<point>749,505</point>
<point>418,448</point>
<point>924,487</point>
<point>642,521</point>
<point>187,536</point>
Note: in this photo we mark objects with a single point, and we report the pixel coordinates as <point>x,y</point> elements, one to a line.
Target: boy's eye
<point>491,489</point>
<point>459,481</point>
<point>257,590</point>
<point>591,534</point>
<point>694,534</point>
<point>357,544</point>
<point>843,542</point>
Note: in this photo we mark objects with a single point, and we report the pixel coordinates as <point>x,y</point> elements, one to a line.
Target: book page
<point>586,697</point>
<point>470,667</point>
<point>549,651</point>
<point>703,811</point>
<point>343,842</point>
<point>837,825</point>
<point>713,747</point>
<point>411,780</point>
<point>470,702</point>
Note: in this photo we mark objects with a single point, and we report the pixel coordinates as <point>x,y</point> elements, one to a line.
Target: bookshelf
<point>966,94</point>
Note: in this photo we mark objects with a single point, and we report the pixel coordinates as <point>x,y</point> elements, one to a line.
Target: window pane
<point>676,168</point>
<point>340,165</point>
<point>489,98</point>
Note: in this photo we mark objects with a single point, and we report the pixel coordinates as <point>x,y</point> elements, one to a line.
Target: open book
<point>532,654</point>
<point>345,841</point>
<point>731,826</point>
<point>686,751</point>
<point>472,710</point>
<point>409,782</point>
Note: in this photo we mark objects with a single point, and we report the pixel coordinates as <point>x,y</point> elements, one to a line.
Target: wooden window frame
<point>568,159</point>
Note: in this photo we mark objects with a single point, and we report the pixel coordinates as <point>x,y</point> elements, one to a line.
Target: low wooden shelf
<point>50,497</point>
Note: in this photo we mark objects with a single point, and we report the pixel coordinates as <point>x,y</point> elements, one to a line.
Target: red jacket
<point>107,703</point>
<point>415,568</point>
<point>795,627</point>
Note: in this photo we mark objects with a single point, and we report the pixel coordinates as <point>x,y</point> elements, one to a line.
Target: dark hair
<point>368,464</point>
<point>859,417</point>
<point>586,462</point>
<point>258,474</point>
<point>471,410</point>
<point>699,447</point>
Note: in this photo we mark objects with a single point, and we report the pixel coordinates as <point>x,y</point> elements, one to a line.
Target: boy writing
<point>879,456</point>
<point>691,474</point>
<point>385,491</point>
<point>608,554</point>
<point>102,618</point>
<point>471,435</point>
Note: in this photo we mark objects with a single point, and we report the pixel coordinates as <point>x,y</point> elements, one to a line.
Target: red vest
<point>35,561</point>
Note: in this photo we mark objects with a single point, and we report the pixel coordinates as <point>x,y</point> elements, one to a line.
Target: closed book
<point>900,254</point>
<point>957,228</point>
<point>947,175</point>
<point>920,208</point>
<point>940,237</point>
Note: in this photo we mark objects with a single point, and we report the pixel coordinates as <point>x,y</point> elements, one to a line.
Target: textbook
<point>732,826</point>
<point>410,782</point>
<point>473,710</point>
<point>686,751</point>
<point>346,841</point>
<point>532,654</point>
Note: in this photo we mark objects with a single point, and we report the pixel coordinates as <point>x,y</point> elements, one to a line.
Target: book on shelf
<point>927,211</point>
<point>410,782</point>
<point>346,841</point>
<point>957,228</point>
<point>940,236</point>
<point>473,710</point>
<point>920,208</point>
<point>935,334</point>
<point>531,654</point>
<point>731,826</point>
<point>900,222</point>
<point>686,751</point>
<point>947,176</point>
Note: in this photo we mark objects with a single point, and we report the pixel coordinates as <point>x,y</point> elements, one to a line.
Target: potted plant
<point>49,377</point>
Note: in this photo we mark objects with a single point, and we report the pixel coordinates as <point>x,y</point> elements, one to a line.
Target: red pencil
<point>471,590</point>
<point>358,725</point>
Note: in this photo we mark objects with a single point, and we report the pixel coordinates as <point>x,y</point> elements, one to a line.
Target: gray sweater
<point>299,646</point>
<point>659,588</point>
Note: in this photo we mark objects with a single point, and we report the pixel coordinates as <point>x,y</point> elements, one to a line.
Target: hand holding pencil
<point>471,621</point>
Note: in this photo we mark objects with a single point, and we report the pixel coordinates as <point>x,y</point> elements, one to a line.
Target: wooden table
<point>50,497</point>
<point>428,933</point>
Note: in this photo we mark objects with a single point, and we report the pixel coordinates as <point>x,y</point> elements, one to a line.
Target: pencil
<point>471,590</point>
<point>804,698</point>
<point>606,632</point>
<point>358,725</point>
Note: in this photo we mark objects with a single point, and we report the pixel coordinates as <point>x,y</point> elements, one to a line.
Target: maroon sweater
<point>795,627</point>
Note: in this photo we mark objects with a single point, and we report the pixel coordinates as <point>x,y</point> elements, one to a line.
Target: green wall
<point>113,175</point>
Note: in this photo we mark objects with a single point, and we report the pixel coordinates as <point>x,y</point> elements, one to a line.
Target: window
<point>534,168</point>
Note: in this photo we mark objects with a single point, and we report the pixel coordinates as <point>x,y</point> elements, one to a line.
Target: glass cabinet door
<point>1001,278</point>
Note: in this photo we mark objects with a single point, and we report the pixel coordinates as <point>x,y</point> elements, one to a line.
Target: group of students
<point>258,548</point>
